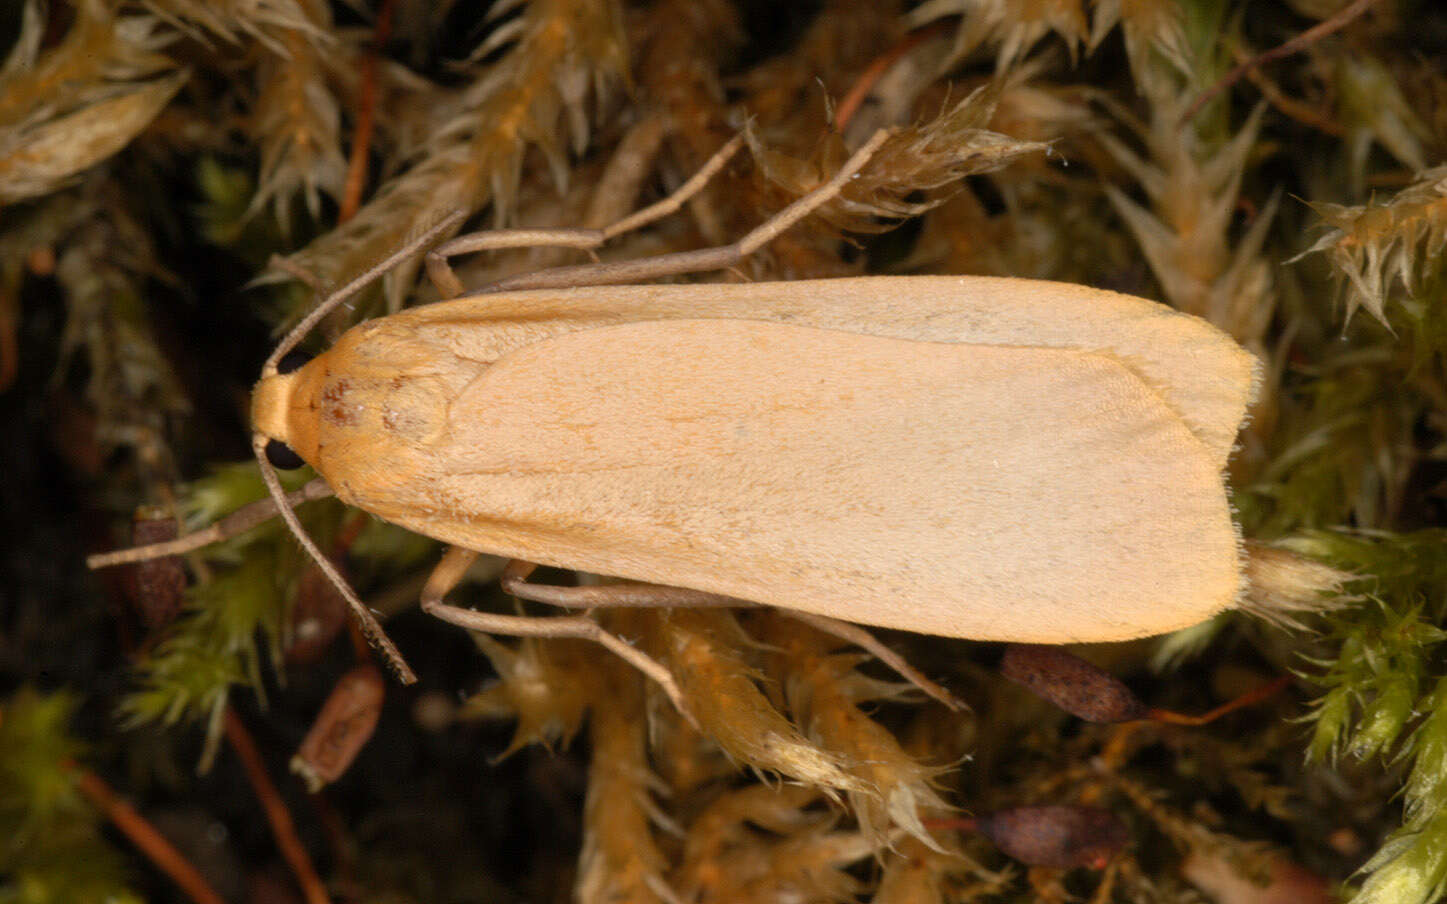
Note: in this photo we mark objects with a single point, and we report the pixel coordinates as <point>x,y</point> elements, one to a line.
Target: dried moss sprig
<point>1014,26</point>
<point>68,108</point>
<point>703,649</point>
<point>1155,39</point>
<point>620,858</point>
<point>535,688</point>
<point>234,21</point>
<point>1381,250</point>
<point>913,172</point>
<point>562,56</point>
<point>296,122</point>
<point>101,265</point>
<point>824,693</point>
<point>727,858</point>
<point>1375,111</point>
<point>1194,188</point>
<point>1154,30</point>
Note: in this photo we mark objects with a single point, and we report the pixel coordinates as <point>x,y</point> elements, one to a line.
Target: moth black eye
<point>281,456</point>
<point>292,360</point>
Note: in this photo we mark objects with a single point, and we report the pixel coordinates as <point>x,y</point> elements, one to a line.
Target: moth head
<point>360,413</point>
<point>287,387</point>
<point>272,404</point>
<point>280,440</point>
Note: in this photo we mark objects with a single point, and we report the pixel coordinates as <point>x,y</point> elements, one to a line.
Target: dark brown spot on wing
<point>337,408</point>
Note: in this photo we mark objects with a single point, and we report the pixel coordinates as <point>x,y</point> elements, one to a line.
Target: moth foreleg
<point>454,565</point>
<point>705,259</point>
<point>238,522</point>
<point>449,286</point>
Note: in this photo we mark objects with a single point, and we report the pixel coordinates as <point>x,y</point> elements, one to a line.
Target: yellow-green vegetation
<point>53,851</point>
<point>158,156</point>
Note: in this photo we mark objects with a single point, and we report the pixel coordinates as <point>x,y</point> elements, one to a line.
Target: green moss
<point>52,850</point>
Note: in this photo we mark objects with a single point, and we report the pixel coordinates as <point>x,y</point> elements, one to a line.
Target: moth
<point>976,457</point>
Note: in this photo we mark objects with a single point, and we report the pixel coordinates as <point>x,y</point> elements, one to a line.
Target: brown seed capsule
<point>342,728</point>
<point>1061,836</point>
<point>1071,683</point>
<point>156,587</point>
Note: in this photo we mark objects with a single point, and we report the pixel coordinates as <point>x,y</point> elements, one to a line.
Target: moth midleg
<point>704,259</point>
<point>454,565</point>
<point>586,239</point>
<point>630,594</point>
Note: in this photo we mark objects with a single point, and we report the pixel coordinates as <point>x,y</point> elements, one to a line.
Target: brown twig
<point>282,826</point>
<point>854,99</point>
<point>1296,44</point>
<point>145,837</point>
<point>366,116</point>
<point>1302,113</point>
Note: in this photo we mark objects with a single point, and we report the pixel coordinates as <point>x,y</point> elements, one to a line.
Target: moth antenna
<point>371,629</point>
<point>330,303</point>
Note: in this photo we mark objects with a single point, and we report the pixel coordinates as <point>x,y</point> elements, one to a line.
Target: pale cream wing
<point>961,490</point>
<point>1199,371</point>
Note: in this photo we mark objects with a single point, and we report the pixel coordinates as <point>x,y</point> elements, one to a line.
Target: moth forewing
<point>965,456</point>
<point>1200,371</point>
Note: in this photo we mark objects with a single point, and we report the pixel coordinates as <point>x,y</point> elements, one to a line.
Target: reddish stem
<point>282,826</point>
<point>875,71</point>
<point>957,823</point>
<point>366,116</point>
<point>145,837</point>
<point>1296,44</point>
<point>1246,699</point>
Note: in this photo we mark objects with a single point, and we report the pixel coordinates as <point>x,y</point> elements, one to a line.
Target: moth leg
<point>454,565</point>
<point>238,522</point>
<point>514,580</point>
<point>624,594</point>
<point>718,258</point>
<point>449,286</point>
<point>861,638</point>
